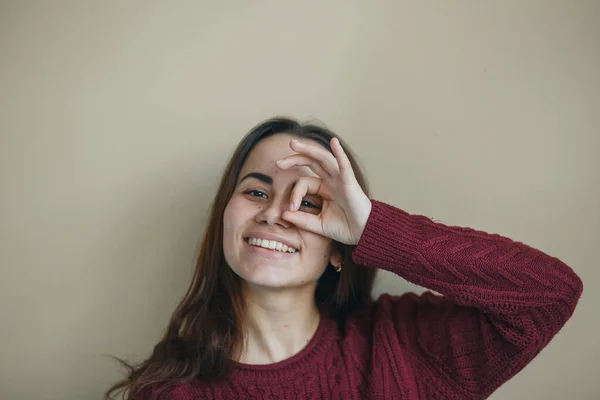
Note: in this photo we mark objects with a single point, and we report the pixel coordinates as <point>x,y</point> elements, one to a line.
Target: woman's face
<point>252,220</point>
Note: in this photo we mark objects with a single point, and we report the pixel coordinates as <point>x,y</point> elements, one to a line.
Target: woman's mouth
<point>272,245</point>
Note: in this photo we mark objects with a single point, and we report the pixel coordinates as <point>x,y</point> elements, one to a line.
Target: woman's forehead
<point>274,147</point>
<point>265,154</point>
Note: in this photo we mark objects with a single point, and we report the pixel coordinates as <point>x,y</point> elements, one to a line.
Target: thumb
<point>306,221</point>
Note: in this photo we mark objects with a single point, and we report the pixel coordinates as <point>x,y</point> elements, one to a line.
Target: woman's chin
<point>273,280</point>
<point>276,276</point>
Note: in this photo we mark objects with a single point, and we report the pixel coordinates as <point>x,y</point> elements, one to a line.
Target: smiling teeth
<point>271,244</point>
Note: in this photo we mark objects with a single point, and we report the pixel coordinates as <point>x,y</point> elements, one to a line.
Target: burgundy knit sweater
<point>501,302</point>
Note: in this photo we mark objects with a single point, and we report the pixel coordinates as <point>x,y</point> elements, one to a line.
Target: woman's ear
<point>336,257</point>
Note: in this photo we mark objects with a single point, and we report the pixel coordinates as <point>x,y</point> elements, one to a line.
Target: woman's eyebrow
<point>261,177</point>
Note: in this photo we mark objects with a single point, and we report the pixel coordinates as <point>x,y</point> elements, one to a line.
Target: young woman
<point>280,304</point>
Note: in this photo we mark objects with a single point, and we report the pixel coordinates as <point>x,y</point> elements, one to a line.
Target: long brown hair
<point>205,330</point>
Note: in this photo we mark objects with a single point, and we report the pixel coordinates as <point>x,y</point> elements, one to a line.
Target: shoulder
<point>390,331</point>
<point>186,391</point>
<point>397,311</point>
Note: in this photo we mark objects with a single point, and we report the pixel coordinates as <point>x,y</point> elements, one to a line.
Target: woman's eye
<point>256,193</point>
<point>308,204</point>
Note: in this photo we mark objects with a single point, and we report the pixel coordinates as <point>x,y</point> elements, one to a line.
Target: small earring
<point>338,268</point>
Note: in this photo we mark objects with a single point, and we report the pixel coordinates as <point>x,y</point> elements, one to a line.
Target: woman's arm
<point>502,301</point>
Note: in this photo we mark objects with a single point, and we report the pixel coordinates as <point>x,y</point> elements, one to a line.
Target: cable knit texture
<point>501,302</point>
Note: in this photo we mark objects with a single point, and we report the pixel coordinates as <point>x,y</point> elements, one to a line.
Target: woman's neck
<point>277,324</point>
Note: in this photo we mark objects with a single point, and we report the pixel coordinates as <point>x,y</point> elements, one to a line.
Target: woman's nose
<point>271,214</point>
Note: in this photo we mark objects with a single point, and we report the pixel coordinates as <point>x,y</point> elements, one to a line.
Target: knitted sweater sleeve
<point>501,303</point>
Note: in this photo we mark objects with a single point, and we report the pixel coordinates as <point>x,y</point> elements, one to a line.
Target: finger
<point>342,159</point>
<point>318,153</point>
<point>300,160</point>
<point>305,185</point>
<point>306,221</point>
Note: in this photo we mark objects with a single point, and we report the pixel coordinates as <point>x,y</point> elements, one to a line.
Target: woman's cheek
<point>321,248</point>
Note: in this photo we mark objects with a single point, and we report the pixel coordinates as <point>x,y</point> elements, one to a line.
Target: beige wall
<point>116,118</point>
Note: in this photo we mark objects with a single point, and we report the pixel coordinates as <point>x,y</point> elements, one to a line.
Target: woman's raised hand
<point>345,208</point>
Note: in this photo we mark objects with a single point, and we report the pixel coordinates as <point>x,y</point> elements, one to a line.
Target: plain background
<point>117,118</point>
